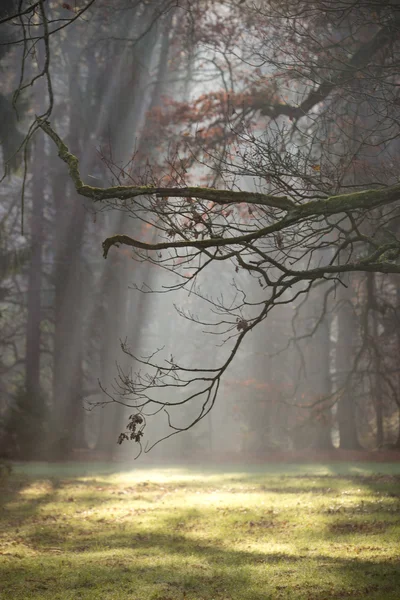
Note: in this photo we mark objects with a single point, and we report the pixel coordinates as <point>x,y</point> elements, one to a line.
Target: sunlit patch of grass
<point>288,532</point>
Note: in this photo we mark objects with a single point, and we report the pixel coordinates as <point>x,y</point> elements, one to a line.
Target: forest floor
<point>285,532</point>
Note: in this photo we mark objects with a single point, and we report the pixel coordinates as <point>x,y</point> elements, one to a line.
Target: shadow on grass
<point>212,570</point>
<point>172,559</point>
<point>11,493</point>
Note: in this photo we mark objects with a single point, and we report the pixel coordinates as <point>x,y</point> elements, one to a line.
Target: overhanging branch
<point>295,213</point>
<point>360,59</point>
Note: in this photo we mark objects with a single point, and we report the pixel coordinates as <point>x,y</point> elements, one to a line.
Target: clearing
<point>304,532</point>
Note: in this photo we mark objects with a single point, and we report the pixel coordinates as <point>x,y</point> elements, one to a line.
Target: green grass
<point>304,532</point>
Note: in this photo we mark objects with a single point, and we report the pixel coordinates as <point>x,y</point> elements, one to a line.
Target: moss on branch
<point>365,200</point>
<point>123,192</point>
<point>295,213</point>
<point>63,152</point>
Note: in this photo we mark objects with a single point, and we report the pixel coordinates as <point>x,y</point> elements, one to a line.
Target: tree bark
<point>377,399</point>
<point>69,299</point>
<point>320,344</point>
<point>31,399</point>
<point>33,336</point>
<point>346,409</point>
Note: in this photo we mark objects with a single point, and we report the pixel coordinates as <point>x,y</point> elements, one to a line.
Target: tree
<point>255,248</point>
<point>297,153</point>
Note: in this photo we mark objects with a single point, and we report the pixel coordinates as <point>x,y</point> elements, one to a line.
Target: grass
<point>304,532</point>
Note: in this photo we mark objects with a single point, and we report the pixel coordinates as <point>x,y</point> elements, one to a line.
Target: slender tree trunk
<point>32,401</point>
<point>70,293</point>
<point>32,373</point>
<point>346,410</point>
<point>321,357</point>
<point>67,371</point>
<point>377,376</point>
<point>315,384</point>
<point>69,300</point>
<point>397,398</point>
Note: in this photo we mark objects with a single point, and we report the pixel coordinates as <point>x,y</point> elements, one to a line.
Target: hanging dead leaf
<point>242,325</point>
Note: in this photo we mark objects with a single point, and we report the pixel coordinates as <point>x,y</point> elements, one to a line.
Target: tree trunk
<point>31,401</point>
<point>346,409</point>
<point>320,345</point>
<point>377,375</point>
<point>397,397</point>
<point>69,299</point>
<point>32,373</point>
<point>67,370</point>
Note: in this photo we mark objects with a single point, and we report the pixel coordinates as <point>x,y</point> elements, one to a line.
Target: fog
<point>250,350</point>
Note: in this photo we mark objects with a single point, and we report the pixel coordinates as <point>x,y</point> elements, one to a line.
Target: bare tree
<point>281,233</point>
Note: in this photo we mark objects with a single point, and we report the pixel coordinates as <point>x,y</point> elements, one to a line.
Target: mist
<point>189,336</point>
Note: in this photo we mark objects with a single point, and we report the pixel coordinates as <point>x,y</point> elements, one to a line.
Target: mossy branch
<point>124,192</point>
<point>294,213</point>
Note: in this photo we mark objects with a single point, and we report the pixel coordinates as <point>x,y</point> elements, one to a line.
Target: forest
<point>199,224</point>
<point>199,299</point>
